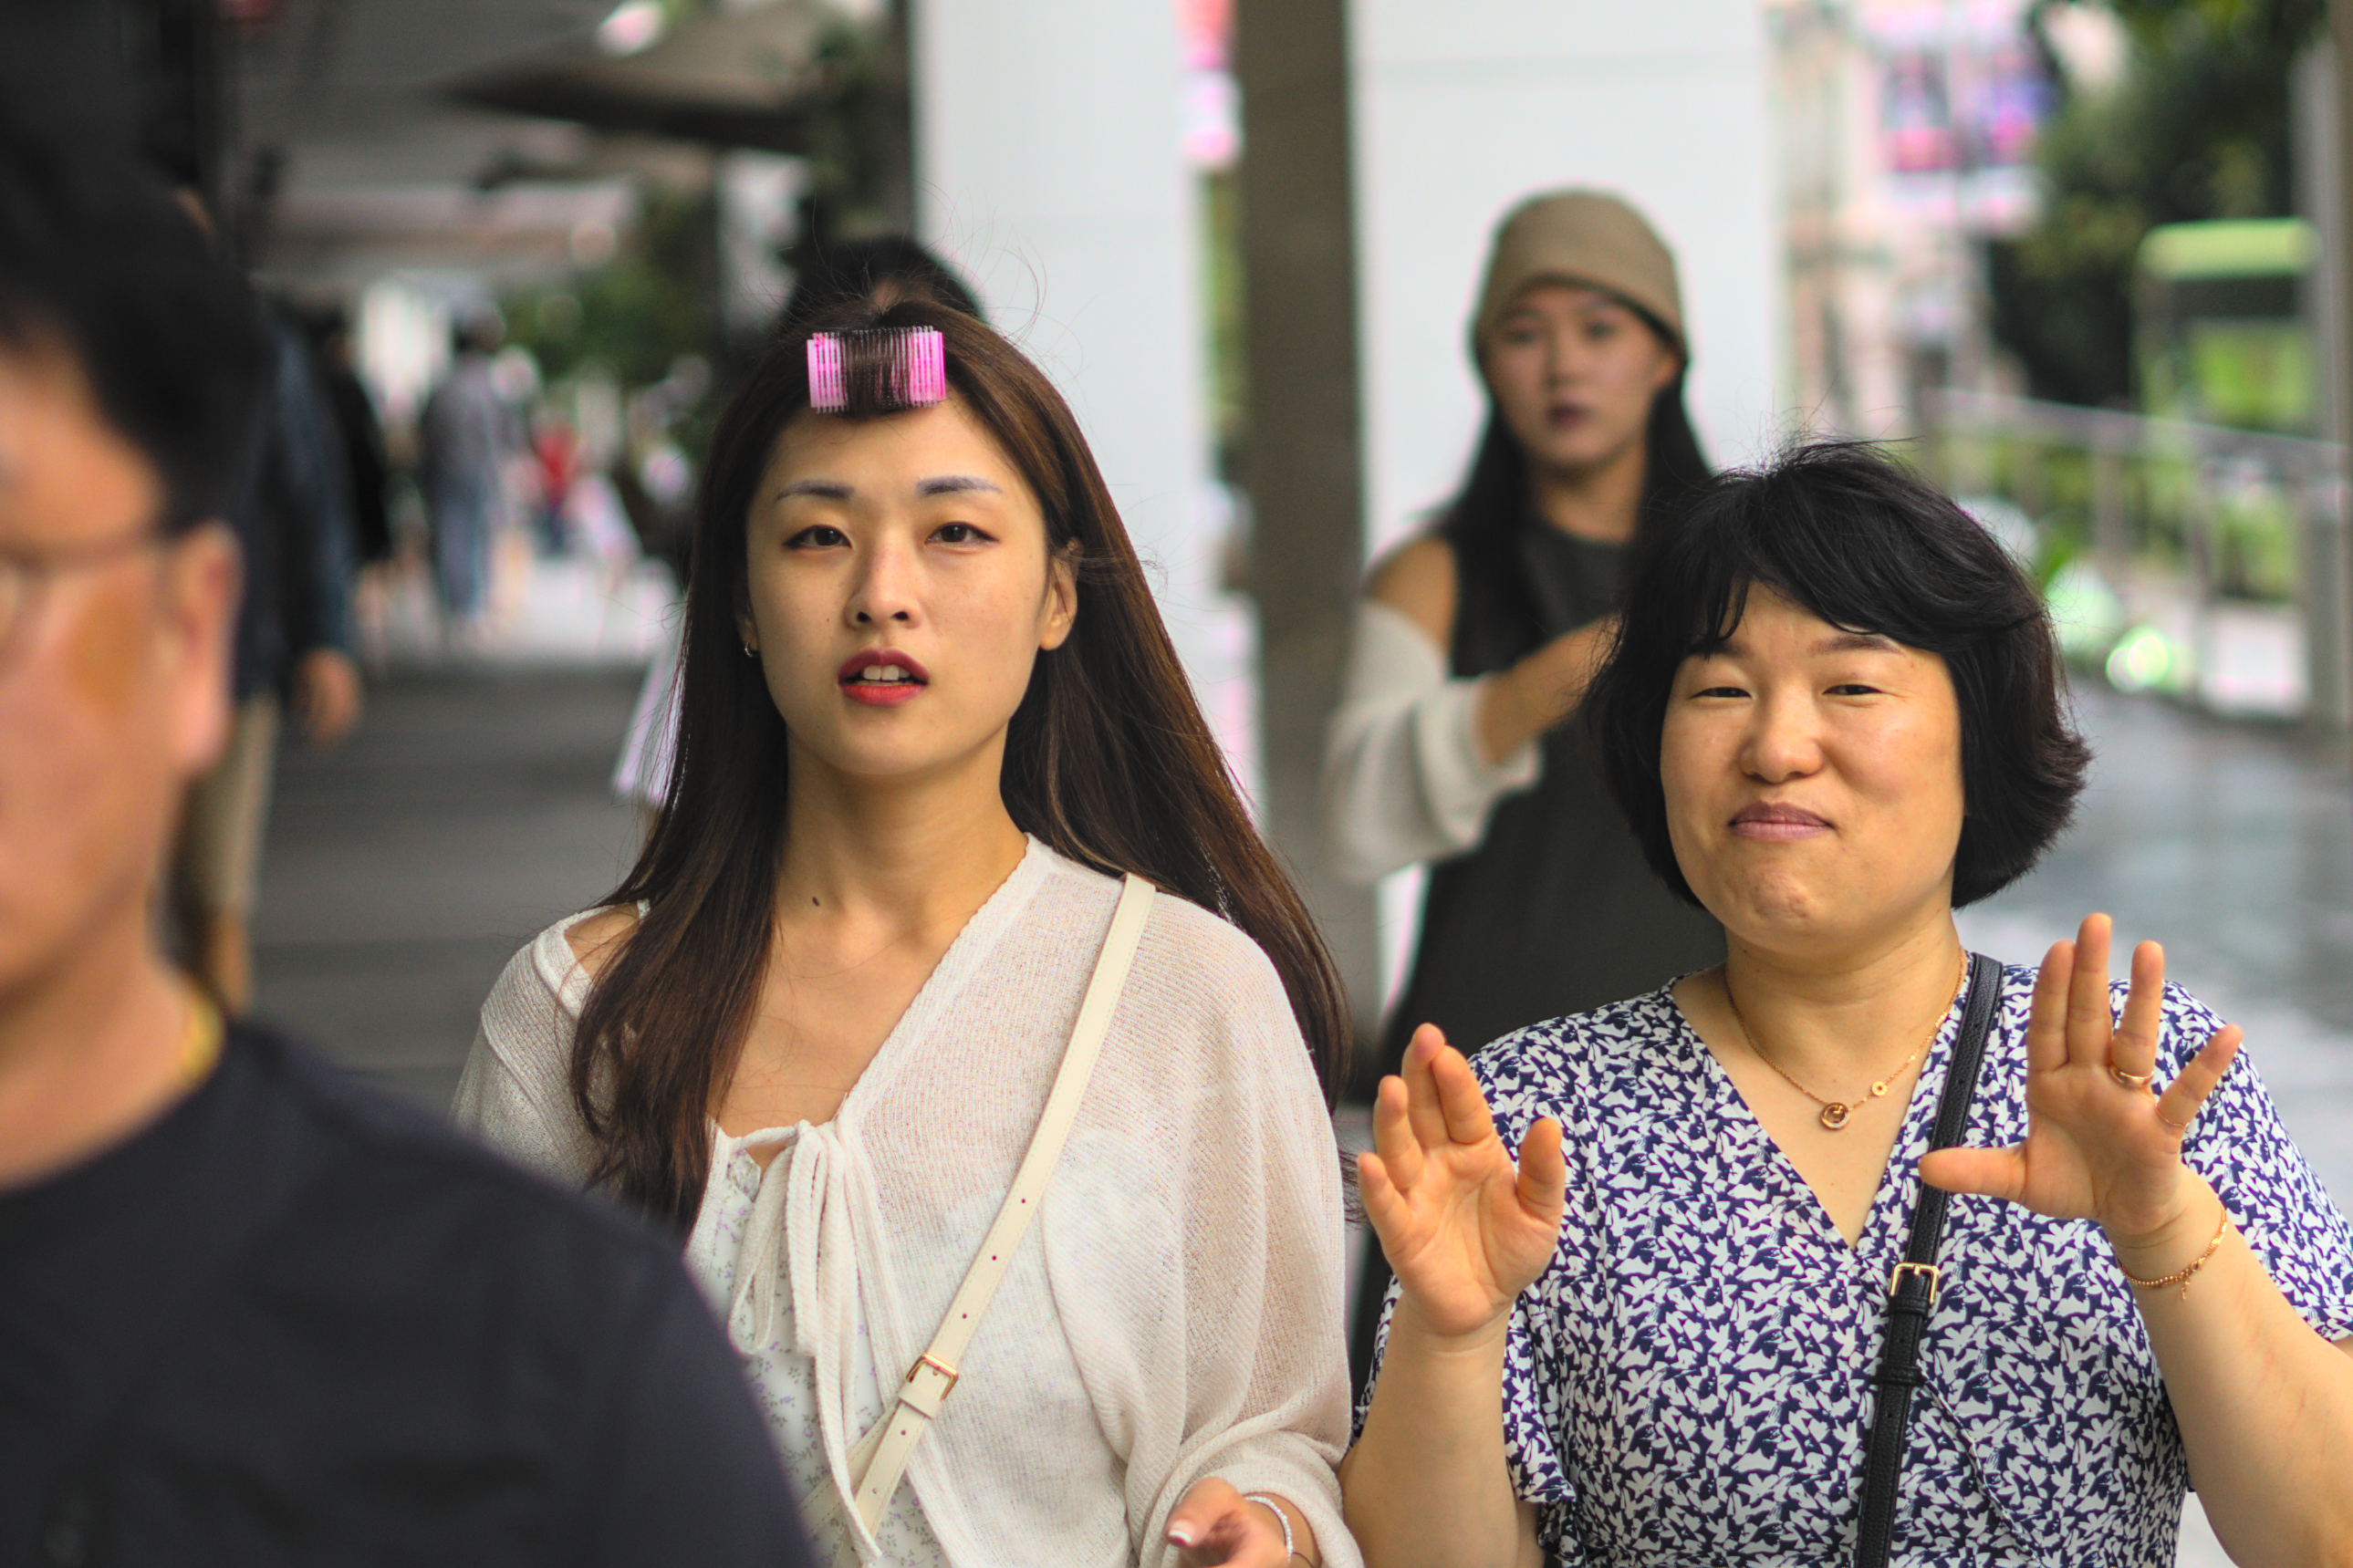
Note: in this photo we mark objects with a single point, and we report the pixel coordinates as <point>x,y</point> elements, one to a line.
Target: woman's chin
<point>1579,450</point>
<point>1782,913</point>
<point>884,760</point>
<point>1808,922</point>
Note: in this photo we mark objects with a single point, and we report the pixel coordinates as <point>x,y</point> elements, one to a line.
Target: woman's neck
<point>903,854</point>
<point>1856,1013</point>
<point>1599,501</point>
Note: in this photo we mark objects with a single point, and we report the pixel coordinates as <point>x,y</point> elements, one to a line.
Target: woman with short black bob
<point>1833,713</point>
<point>954,1016</point>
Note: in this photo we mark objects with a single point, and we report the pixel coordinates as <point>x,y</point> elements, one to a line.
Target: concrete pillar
<point>2324,146</point>
<point>1303,462</point>
<point>1048,166</point>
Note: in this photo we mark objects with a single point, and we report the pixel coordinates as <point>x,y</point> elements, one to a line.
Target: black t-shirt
<point>292,1324</point>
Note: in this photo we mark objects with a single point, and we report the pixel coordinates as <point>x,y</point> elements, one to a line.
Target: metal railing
<point>2198,532</point>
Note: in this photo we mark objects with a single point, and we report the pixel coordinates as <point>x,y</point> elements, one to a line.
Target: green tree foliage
<point>2197,128</point>
<point>641,311</point>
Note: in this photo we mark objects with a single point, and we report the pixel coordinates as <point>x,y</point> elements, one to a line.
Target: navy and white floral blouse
<point>1688,1381</point>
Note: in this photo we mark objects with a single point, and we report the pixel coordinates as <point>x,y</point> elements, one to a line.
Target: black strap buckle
<point>1928,1271</point>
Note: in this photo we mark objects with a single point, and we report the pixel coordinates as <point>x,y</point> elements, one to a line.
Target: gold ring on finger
<point>2176,1128</point>
<point>2131,1079</point>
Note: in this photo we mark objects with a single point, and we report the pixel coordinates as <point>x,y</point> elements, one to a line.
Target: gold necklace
<point>1836,1112</point>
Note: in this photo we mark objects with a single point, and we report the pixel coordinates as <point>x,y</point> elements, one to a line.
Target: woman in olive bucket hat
<point>1452,744</point>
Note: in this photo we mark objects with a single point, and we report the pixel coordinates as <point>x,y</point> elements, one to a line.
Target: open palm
<point>1464,1228</point>
<point>2097,1146</point>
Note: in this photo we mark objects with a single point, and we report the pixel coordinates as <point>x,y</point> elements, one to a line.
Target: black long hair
<point>1483,520</point>
<point>1108,760</point>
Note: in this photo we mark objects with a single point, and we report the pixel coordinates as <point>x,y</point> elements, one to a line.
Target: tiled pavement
<point>405,866</point>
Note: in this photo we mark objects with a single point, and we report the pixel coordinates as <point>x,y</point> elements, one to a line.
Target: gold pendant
<point>1834,1115</point>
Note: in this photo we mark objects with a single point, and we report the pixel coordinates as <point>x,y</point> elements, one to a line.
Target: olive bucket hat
<point>1581,236</point>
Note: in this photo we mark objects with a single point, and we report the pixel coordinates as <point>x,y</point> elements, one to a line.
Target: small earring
<point>750,652</point>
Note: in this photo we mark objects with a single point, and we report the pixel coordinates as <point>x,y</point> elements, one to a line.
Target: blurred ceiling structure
<point>733,78</point>
<point>502,138</point>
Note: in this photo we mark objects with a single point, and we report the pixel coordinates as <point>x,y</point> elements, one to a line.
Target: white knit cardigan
<point>1403,779</point>
<point>1176,1311</point>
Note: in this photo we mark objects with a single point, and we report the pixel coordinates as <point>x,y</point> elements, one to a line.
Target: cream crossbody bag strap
<point>880,1460</point>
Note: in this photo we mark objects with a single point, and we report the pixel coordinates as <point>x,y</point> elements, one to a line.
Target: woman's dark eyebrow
<point>829,489</point>
<point>955,484</point>
<point>1857,642</point>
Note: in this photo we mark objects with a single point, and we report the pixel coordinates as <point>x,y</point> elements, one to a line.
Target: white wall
<point>1048,166</point>
<point>1462,110</point>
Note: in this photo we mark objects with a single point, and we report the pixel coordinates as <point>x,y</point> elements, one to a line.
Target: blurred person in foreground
<point>249,1312</point>
<point>291,512</point>
<point>937,761</point>
<point>465,434</point>
<point>1452,743</point>
<point>880,271</point>
<point>1675,1331</point>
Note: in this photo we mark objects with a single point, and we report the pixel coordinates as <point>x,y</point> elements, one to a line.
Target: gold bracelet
<point>2182,1276</point>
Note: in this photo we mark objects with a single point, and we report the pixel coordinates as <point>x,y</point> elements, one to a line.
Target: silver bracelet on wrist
<point>1274,1508</point>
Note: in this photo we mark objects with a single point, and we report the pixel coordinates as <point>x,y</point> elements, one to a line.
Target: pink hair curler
<point>905,367</point>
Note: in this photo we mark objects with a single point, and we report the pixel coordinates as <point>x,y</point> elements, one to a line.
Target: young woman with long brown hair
<point>930,720</point>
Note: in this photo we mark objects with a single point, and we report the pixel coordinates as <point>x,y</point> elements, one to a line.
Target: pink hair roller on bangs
<point>909,366</point>
<point>826,394</point>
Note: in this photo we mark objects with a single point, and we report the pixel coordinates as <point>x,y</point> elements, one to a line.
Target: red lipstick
<point>882,677</point>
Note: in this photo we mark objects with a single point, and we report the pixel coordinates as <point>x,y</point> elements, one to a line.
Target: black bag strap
<point>1912,1291</point>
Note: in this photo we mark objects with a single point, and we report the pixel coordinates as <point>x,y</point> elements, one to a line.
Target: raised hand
<point>2104,1140</point>
<point>1464,1229</point>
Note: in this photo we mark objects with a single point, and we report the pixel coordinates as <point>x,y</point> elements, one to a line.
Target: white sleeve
<point>1403,779</point>
<point>1259,1395</point>
<point>641,774</point>
<point>516,1091</point>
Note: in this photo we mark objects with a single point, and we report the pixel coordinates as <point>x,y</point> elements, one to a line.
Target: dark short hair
<point>1869,547</point>
<point>97,258</point>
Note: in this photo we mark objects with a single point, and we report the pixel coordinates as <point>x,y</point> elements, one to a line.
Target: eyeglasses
<point>23,573</point>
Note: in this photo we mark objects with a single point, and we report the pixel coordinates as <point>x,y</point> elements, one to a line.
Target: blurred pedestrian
<point>249,1312</point>
<point>1724,1310</point>
<point>555,467</point>
<point>467,433</point>
<point>1453,742</point>
<point>359,433</point>
<point>873,968</point>
<point>292,514</point>
<point>880,271</point>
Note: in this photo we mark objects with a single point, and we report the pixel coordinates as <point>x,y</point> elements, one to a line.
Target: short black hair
<point>1839,528</point>
<point>97,257</point>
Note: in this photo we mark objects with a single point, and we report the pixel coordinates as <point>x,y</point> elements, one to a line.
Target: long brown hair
<point>1107,760</point>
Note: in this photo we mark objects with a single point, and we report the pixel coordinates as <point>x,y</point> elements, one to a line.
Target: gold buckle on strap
<point>1928,1271</point>
<point>928,1360</point>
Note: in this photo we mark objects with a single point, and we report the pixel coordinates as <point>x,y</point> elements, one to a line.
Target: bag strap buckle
<point>1928,1271</point>
<point>949,1374</point>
